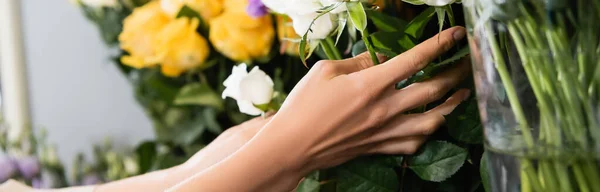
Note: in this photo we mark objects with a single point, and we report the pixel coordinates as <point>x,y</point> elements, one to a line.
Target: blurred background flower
<point>139,33</point>
<point>208,9</point>
<point>29,167</point>
<point>240,37</point>
<point>8,168</point>
<point>180,48</point>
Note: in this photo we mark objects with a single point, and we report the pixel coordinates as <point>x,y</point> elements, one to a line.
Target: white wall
<point>75,92</point>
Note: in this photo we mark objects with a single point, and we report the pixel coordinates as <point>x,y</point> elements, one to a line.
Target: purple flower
<point>7,168</point>
<point>29,167</point>
<point>37,183</point>
<point>91,179</point>
<point>256,8</point>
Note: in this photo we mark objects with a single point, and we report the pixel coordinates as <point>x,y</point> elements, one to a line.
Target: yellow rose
<point>180,47</point>
<point>287,35</point>
<point>241,37</point>
<point>139,31</point>
<point>208,9</point>
<point>238,6</point>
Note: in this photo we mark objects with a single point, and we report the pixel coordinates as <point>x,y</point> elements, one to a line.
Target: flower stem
<point>330,49</point>
<point>369,45</point>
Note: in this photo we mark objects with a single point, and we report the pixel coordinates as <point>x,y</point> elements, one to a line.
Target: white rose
<point>278,6</point>
<point>100,3</point>
<point>320,29</point>
<point>249,89</point>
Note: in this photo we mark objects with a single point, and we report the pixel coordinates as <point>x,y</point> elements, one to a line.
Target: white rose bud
<point>320,29</point>
<point>249,89</point>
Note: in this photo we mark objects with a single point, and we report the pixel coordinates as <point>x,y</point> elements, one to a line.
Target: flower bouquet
<point>188,62</point>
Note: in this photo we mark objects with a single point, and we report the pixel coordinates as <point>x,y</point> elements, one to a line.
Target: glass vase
<point>536,65</point>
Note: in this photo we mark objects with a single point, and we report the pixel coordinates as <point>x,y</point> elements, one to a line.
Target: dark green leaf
<point>483,171</point>
<point>457,56</point>
<point>358,48</point>
<point>464,124</point>
<point>364,175</point>
<point>310,183</point>
<point>210,120</point>
<point>387,43</point>
<point>437,160</point>
<point>187,133</point>
<point>191,13</point>
<point>417,25</point>
<point>303,52</point>
<point>169,160</point>
<point>199,94</point>
<point>146,154</point>
<point>385,22</point>
<point>357,14</point>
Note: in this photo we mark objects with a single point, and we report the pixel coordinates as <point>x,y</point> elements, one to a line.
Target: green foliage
<point>464,124</point>
<point>484,172</point>
<point>437,160</point>
<point>199,94</point>
<point>366,174</point>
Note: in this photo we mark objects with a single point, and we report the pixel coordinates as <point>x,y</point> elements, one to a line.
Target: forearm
<point>224,146</point>
<point>261,165</point>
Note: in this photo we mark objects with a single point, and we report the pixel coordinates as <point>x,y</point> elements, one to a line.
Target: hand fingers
<point>350,65</point>
<point>411,61</point>
<point>451,103</point>
<point>422,93</point>
<point>418,124</point>
<point>407,145</point>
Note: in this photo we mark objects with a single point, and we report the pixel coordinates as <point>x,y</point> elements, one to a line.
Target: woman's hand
<point>338,111</point>
<point>344,109</point>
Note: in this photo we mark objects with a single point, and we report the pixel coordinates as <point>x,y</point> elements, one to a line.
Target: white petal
<point>100,3</point>
<point>278,6</point>
<point>438,3</point>
<point>232,83</point>
<point>302,7</point>
<point>248,108</point>
<point>321,28</point>
<point>257,87</point>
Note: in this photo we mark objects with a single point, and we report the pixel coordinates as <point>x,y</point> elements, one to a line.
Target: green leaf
<point>186,11</point>
<point>387,43</point>
<point>441,14</point>
<point>342,20</point>
<point>146,154</point>
<point>199,94</point>
<point>385,22</point>
<point>357,15</point>
<point>417,25</point>
<point>457,56</point>
<point>210,120</point>
<point>187,133</point>
<point>483,171</point>
<point>464,123</point>
<point>414,2</point>
<point>363,174</point>
<point>437,160</point>
<point>358,48</point>
<point>310,183</point>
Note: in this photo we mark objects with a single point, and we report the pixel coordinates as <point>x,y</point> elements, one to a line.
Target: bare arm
<point>338,111</point>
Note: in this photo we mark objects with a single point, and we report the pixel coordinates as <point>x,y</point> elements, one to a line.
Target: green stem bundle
<point>562,76</point>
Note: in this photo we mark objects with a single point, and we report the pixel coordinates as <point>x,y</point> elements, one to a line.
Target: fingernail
<point>467,95</point>
<point>459,34</point>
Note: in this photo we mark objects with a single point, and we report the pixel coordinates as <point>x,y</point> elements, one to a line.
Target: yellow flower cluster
<point>240,37</point>
<point>153,36</point>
